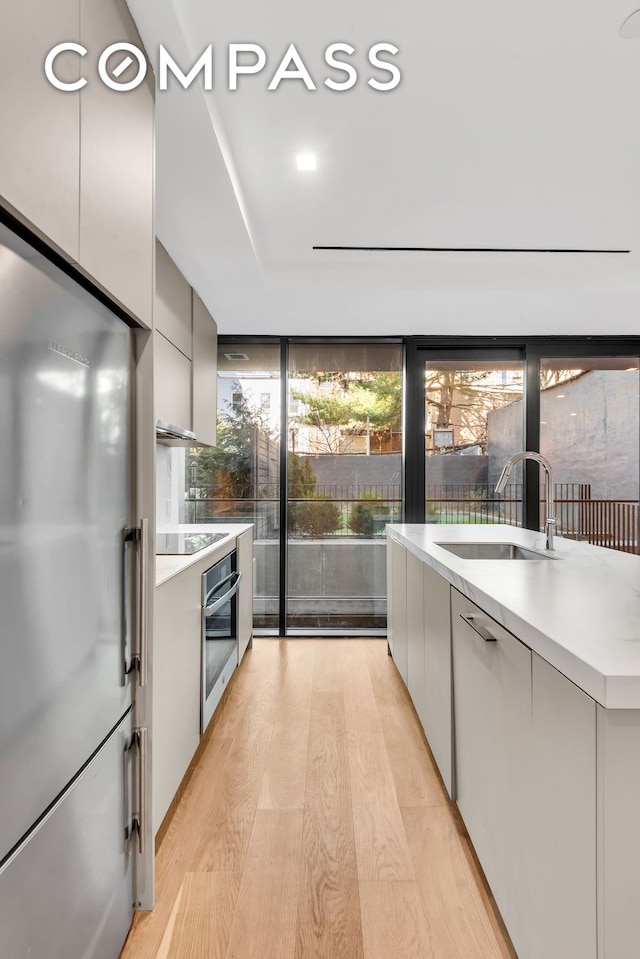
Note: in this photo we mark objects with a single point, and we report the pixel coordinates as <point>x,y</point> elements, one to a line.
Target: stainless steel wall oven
<point>220,586</point>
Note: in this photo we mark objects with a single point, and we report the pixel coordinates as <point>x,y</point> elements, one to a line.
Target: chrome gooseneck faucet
<point>548,487</point>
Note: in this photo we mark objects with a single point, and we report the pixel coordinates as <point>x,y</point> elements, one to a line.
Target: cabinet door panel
<point>176,685</point>
<point>438,710</point>
<point>397,588</point>
<point>492,700</point>
<point>205,360</point>
<point>564,823</point>
<point>39,160</point>
<point>245,595</point>
<point>415,633</point>
<point>171,384</point>
<point>172,308</point>
<point>618,788</point>
<point>117,167</point>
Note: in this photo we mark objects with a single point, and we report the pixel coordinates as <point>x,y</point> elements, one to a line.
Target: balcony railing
<point>362,511</point>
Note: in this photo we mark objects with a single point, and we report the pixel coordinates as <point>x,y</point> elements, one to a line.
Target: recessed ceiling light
<point>306,161</point>
<point>560,396</point>
<point>573,414</point>
<point>630,29</point>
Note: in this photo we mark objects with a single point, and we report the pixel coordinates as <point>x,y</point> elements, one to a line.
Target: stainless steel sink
<point>492,551</point>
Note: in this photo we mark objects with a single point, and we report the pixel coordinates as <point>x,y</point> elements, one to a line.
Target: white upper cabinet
<point>77,167</point>
<point>186,353</point>
<point>171,383</point>
<point>117,168</point>
<point>40,153</point>
<point>204,370</point>
<point>172,315</point>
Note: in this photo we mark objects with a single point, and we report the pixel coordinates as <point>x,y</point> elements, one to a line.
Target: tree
<point>228,467</point>
<point>370,404</point>
<point>468,393</point>
<point>310,513</point>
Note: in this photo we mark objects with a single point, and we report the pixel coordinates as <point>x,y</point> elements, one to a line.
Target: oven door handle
<point>214,607</point>
<point>214,589</point>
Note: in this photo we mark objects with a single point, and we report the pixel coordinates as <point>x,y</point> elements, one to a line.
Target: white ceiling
<point>514,126</point>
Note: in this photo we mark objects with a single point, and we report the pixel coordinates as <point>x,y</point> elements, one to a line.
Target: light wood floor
<point>314,825</point>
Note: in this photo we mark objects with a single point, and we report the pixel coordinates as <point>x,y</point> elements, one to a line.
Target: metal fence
<point>362,511</point>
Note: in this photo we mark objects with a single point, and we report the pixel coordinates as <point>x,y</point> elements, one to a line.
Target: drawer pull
<point>479,629</point>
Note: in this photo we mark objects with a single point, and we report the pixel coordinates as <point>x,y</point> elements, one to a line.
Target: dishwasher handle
<point>479,629</point>
<point>235,579</point>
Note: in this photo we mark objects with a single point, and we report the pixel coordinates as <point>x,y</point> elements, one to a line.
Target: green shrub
<point>362,519</point>
<point>316,516</point>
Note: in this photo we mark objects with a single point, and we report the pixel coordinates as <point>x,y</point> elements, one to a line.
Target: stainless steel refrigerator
<point>69,756</point>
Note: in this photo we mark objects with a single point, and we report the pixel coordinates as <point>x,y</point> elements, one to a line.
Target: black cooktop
<point>182,544</point>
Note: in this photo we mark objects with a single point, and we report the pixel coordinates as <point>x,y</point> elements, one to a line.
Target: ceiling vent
<point>453,249</point>
<point>236,357</point>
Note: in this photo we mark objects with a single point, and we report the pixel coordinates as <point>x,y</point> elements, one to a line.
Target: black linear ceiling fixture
<point>454,249</point>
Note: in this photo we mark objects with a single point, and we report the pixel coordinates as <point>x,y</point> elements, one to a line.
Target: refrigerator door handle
<point>144,600</point>
<point>140,536</point>
<point>139,817</point>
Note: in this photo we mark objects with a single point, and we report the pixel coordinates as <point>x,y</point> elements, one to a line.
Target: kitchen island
<point>525,674</point>
<point>177,652</point>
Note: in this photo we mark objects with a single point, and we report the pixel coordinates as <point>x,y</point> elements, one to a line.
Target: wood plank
<point>264,925</point>
<point>224,835</point>
<point>393,921</point>
<point>327,666</point>
<point>457,909</point>
<point>360,705</point>
<point>381,844</point>
<point>252,701</point>
<point>416,779</point>
<point>163,951</point>
<point>204,916</point>
<point>328,919</point>
<point>386,681</point>
<point>295,663</point>
<point>285,775</point>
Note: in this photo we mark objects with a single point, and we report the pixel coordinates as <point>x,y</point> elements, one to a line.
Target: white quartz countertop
<point>169,566</point>
<point>580,611</point>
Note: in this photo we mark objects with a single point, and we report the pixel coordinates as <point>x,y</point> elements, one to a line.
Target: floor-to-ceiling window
<point>238,480</point>
<point>344,482</point>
